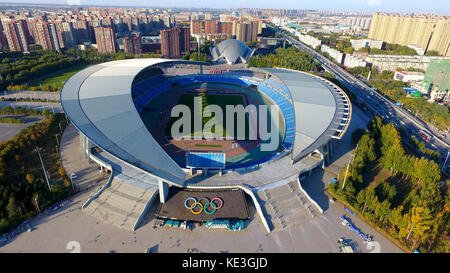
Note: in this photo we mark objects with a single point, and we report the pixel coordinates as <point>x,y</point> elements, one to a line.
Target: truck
<point>344,247</point>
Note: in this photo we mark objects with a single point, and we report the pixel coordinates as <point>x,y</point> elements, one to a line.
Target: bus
<point>425,135</point>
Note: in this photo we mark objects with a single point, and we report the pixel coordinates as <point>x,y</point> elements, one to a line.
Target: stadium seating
<point>206,160</point>
<point>279,93</point>
<point>145,91</point>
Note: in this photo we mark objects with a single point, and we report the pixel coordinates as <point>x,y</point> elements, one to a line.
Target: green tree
<point>421,221</point>
<point>13,209</point>
<point>30,178</point>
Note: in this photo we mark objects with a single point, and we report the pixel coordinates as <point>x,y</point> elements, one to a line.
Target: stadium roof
<point>322,111</point>
<point>98,102</point>
<point>232,51</point>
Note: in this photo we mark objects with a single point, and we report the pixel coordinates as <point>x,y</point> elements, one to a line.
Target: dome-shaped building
<point>231,51</point>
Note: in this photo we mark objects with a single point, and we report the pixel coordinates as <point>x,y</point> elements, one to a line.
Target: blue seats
<point>279,93</point>
<point>146,90</point>
<point>206,160</point>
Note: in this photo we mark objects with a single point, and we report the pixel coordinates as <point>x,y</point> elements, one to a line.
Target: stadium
<point>123,111</point>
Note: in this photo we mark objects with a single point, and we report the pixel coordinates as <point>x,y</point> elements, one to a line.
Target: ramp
<point>122,204</point>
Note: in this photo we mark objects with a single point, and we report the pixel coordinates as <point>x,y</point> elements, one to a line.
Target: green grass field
<point>58,79</point>
<point>221,100</point>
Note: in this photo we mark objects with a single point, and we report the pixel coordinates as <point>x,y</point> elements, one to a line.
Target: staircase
<point>122,204</point>
<point>286,206</point>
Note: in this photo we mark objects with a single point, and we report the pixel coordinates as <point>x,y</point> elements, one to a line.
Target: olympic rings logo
<point>203,207</point>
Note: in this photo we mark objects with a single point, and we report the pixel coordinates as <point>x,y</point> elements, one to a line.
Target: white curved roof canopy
<point>322,110</point>
<point>232,51</point>
<point>98,102</point>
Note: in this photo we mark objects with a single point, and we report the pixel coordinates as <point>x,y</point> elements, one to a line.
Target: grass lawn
<point>221,100</point>
<point>376,174</point>
<point>60,78</point>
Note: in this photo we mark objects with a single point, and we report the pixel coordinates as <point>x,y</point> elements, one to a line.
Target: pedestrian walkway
<point>286,206</point>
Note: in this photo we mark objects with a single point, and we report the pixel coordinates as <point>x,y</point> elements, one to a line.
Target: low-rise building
<point>309,40</point>
<point>407,76</point>
<point>402,62</point>
<point>335,54</point>
<point>360,43</point>
<point>436,83</point>
<point>351,61</point>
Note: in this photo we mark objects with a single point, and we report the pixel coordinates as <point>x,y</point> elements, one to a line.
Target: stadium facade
<point>105,103</point>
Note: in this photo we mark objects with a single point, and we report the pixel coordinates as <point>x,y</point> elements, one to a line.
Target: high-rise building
<point>81,30</point>
<point>3,40</point>
<point>440,40</point>
<point>426,31</point>
<point>47,36</point>
<point>200,27</point>
<point>175,42</point>
<point>132,45</point>
<point>227,28</point>
<point>244,31</point>
<point>106,39</point>
<point>65,34</point>
<point>17,35</point>
<point>361,23</point>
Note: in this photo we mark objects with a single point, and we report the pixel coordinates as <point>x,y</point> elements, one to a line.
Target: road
<point>378,104</point>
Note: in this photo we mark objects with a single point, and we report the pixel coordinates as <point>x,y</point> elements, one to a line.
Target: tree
<point>30,178</point>
<point>395,216</point>
<point>349,50</point>
<point>62,172</point>
<point>13,208</point>
<point>421,221</point>
<point>432,53</point>
<point>360,199</point>
<point>370,200</point>
<point>366,148</point>
<point>382,210</point>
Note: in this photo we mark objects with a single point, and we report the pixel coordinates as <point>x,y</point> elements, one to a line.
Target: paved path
<point>54,107</point>
<point>33,95</point>
<point>54,232</point>
<point>7,130</point>
<point>73,160</point>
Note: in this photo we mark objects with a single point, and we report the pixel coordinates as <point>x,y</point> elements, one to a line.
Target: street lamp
<point>37,205</point>
<point>71,181</point>
<point>38,150</point>
<point>448,152</point>
<point>348,165</point>
<point>409,232</point>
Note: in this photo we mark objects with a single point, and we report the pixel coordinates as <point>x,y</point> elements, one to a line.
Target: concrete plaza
<point>57,232</point>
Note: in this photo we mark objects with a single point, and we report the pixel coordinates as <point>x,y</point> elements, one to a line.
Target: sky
<point>401,6</point>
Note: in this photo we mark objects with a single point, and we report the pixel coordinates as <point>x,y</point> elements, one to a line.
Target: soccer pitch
<point>209,99</point>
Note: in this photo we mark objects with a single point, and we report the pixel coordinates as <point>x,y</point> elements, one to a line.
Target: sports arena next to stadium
<point>122,110</point>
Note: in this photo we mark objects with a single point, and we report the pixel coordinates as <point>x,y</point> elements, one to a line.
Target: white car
<point>73,176</point>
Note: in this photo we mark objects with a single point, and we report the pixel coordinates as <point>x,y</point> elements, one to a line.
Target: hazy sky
<point>401,6</point>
